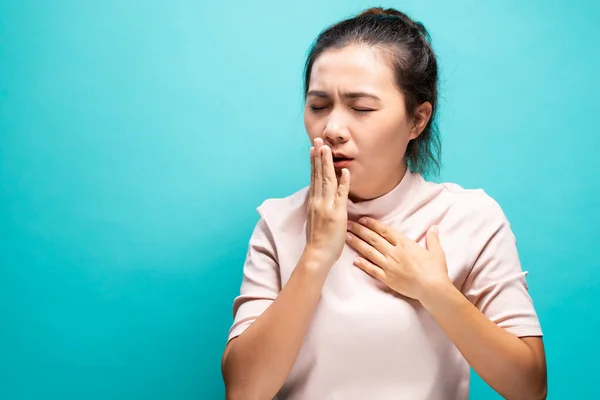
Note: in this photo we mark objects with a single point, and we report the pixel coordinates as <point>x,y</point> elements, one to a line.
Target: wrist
<point>437,292</point>
<point>316,259</point>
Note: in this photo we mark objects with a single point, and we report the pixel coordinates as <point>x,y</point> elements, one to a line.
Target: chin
<point>358,192</point>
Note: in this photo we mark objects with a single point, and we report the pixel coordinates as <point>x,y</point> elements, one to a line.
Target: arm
<point>256,364</point>
<point>487,318</point>
<point>500,335</point>
<point>514,367</point>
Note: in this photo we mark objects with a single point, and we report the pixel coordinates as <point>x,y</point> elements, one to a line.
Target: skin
<point>374,130</point>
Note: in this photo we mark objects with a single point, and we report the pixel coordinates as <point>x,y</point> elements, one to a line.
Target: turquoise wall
<point>137,139</point>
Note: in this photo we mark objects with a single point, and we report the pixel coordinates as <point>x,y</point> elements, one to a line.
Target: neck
<point>381,187</point>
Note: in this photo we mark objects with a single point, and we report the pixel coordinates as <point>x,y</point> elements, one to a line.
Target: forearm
<point>502,360</point>
<point>260,359</point>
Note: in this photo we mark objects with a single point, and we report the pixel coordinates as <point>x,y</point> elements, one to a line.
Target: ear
<point>421,117</point>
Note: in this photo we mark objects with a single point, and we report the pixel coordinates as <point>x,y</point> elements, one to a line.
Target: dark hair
<point>408,47</point>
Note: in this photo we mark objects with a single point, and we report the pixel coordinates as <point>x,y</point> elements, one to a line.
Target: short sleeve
<point>496,284</point>
<point>261,281</point>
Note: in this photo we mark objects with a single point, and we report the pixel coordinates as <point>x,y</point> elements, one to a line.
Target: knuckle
<point>371,240</point>
<point>318,210</point>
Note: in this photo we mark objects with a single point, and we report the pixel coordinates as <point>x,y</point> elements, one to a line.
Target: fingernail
<point>348,236</point>
<point>435,229</point>
<point>363,221</point>
<point>349,225</point>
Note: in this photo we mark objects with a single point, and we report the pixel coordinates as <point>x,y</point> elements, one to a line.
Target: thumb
<point>344,186</point>
<point>433,242</point>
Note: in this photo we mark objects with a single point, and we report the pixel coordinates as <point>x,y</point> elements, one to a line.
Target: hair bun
<point>382,11</point>
<point>395,13</point>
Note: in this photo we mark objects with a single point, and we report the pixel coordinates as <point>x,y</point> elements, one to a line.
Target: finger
<point>311,188</point>
<point>433,242</point>
<point>373,238</point>
<point>370,268</point>
<point>389,234</point>
<point>366,250</point>
<point>318,183</point>
<point>329,179</point>
<point>344,187</point>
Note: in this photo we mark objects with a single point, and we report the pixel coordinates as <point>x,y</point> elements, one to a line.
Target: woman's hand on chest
<point>401,263</point>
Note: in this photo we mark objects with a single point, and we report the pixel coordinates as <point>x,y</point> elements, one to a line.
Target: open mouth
<point>341,162</point>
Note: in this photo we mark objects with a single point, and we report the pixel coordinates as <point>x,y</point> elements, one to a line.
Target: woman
<point>373,283</point>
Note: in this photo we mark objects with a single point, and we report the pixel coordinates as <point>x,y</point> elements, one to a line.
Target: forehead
<point>352,67</point>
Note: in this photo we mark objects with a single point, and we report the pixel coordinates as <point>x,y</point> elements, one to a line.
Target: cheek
<point>312,125</point>
<point>397,132</point>
<point>387,144</point>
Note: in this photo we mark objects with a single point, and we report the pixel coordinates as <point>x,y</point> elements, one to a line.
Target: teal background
<point>137,139</point>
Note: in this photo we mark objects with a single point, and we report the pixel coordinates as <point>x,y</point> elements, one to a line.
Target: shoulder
<point>474,201</point>
<point>285,213</point>
<point>468,206</point>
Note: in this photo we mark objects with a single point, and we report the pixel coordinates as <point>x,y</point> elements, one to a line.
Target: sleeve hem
<point>237,331</point>
<point>527,330</point>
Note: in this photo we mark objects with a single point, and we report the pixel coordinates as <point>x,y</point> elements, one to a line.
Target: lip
<point>336,154</point>
<point>342,163</point>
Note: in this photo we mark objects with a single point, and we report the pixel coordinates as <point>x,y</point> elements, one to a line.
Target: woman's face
<point>355,106</point>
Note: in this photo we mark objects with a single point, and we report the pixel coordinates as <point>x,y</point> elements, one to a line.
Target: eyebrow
<point>349,95</point>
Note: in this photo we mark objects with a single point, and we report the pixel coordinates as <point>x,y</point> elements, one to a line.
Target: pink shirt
<point>365,341</point>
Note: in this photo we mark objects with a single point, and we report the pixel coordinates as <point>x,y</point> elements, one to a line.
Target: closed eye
<point>363,110</point>
<point>358,110</point>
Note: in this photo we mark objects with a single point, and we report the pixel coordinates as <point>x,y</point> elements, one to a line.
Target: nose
<point>335,132</point>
